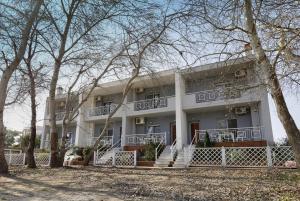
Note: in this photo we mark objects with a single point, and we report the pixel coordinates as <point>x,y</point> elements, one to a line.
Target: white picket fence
<point>41,159</point>
<point>239,156</point>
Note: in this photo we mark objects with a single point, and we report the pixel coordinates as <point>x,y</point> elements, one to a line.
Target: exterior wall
<point>209,120</point>
<point>182,103</point>
<point>163,122</point>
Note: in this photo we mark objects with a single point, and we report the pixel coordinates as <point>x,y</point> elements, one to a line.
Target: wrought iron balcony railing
<point>141,139</point>
<point>101,110</point>
<point>231,134</point>
<point>151,104</point>
<point>217,94</point>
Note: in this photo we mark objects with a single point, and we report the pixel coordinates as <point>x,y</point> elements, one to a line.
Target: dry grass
<point>154,184</point>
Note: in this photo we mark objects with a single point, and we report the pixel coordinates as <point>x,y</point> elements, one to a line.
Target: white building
<point>223,99</point>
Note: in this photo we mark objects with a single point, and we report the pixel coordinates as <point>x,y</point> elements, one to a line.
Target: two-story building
<point>223,99</point>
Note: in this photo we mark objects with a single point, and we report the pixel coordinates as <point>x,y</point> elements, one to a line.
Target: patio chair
<point>131,140</point>
<point>241,135</point>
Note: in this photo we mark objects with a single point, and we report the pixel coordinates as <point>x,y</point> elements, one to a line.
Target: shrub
<point>149,151</point>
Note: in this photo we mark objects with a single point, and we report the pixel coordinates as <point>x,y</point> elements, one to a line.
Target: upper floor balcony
<point>100,111</point>
<point>151,104</point>
<point>154,105</point>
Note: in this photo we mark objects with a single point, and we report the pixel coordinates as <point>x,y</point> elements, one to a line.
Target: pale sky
<point>17,117</point>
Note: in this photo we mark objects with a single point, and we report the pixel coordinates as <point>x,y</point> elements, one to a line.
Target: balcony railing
<point>101,110</point>
<point>59,116</point>
<point>105,140</point>
<point>231,134</point>
<point>141,139</point>
<point>151,104</point>
<point>217,94</point>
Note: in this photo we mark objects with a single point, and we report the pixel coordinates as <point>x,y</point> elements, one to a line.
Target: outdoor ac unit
<point>98,98</point>
<point>139,120</point>
<point>240,110</point>
<point>240,73</point>
<point>139,90</point>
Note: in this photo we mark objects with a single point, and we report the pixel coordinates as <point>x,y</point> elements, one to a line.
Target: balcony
<point>217,94</point>
<point>142,139</point>
<point>231,134</point>
<point>59,116</point>
<point>101,110</point>
<point>151,104</point>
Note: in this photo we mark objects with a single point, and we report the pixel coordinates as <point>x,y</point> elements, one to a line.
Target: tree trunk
<point>6,75</point>
<point>30,151</point>
<point>271,80</point>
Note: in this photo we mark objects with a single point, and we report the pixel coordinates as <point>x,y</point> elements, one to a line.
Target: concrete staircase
<point>181,159</point>
<point>165,158</point>
<point>106,157</point>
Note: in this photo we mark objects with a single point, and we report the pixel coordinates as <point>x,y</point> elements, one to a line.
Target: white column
<point>44,132</point>
<point>265,118</point>
<point>82,127</point>
<point>181,121</point>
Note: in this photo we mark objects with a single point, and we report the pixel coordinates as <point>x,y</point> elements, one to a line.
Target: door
<point>173,132</point>
<point>194,126</point>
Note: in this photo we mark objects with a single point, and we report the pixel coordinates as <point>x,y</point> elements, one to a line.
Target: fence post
<point>95,153</point>
<point>134,158</point>
<point>269,156</point>
<point>9,159</point>
<point>114,158</point>
<point>24,159</point>
<point>49,158</point>
<point>223,156</point>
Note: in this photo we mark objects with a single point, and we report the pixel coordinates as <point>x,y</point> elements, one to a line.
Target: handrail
<point>172,149</point>
<point>158,148</point>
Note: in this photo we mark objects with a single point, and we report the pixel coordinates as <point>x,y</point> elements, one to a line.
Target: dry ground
<point>154,184</point>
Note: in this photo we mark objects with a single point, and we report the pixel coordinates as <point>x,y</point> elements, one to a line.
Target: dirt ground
<point>150,184</point>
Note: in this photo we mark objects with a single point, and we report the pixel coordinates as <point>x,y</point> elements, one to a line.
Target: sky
<point>18,116</point>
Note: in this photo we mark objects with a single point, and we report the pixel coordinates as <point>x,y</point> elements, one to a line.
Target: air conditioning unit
<point>240,110</point>
<point>99,98</point>
<point>139,90</point>
<point>240,73</point>
<point>139,120</point>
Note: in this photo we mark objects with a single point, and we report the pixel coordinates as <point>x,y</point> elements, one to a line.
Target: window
<point>154,129</point>
<point>232,123</point>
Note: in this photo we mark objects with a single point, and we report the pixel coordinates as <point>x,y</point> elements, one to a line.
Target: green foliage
<point>86,151</point>
<point>149,151</point>
<point>206,142</point>
<point>24,141</point>
<point>10,137</point>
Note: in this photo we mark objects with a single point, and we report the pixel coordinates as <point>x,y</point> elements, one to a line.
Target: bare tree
<point>226,26</point>
<point>37,81</point>
<point>12,64</point>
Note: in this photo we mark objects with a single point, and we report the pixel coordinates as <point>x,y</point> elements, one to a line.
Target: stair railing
<point>158,149</point>
<point>173,150</point>
<point>190,151</point>
<point>104,150</point>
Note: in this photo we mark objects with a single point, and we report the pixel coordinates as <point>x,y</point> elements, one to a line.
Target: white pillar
<point>44,132</point>
<point>82,128</point>
<point>181,121</point>
<point>265,118</point>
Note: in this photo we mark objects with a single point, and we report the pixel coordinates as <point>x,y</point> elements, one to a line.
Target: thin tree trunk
<point>54,159</point>
<point>30,151</point>
<point>7,73</point>
<point>271,80</point>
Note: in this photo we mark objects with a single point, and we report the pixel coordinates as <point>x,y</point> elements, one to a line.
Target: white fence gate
<point>118,159</point>
<point>240,156</point>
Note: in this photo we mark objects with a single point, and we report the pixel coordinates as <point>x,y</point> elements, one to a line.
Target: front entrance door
<point>194,126</point>
<point>173,132</point>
